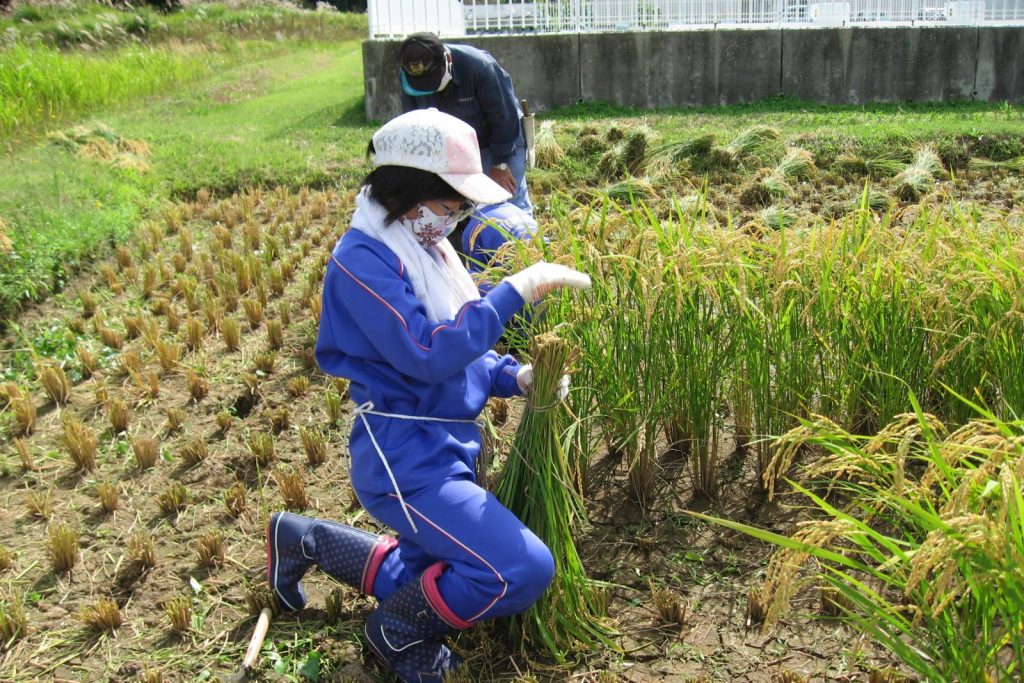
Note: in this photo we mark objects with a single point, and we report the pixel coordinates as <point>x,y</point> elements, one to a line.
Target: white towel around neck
<point>438,277</point>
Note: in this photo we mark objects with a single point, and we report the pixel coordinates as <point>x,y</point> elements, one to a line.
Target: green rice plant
<point>546,147</point>
<point>332,400</point>
<point>919,177</point>
<point>62,546</point>
<point>926,525</point>
<point>334,605</point>
<point>13,623</point>
<point>539,486</point>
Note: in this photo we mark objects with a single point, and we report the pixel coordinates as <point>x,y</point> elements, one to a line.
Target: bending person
<point>403,321</point>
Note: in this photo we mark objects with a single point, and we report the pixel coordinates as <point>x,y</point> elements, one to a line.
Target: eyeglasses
<point>464,210</point>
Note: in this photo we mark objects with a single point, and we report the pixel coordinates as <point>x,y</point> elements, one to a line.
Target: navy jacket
<point>480,94</point>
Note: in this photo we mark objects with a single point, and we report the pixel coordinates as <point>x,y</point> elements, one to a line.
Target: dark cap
<point>423,61</point>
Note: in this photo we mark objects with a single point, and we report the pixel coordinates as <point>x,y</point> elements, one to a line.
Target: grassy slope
<point>295,119</point>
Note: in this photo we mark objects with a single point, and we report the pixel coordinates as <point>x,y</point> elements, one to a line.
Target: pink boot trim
<point>429,582</point>
<point>385,544</point>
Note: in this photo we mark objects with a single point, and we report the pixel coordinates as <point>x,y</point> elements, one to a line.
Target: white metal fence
<point>448,18</point>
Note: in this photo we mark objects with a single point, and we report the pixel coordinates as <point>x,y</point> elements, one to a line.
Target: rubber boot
<point>295,543</point>
<point>406,630</point>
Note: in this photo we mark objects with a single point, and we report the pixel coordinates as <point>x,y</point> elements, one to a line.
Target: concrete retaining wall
<point>708,68</point>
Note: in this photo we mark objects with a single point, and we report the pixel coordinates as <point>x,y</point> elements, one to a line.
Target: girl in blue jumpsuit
<point>421,369</point>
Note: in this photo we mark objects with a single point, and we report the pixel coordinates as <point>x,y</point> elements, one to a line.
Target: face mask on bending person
<point>432,221</point>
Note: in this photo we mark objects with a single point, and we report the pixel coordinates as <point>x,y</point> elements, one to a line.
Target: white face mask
<point>430,228</point>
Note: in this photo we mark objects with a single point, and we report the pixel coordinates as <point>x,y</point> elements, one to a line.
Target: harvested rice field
<point>792,451</point>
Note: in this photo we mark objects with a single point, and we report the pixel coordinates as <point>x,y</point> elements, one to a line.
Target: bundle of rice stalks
<point>767,185</point>
<point>541,487</point>
<point>673,153</point>
<point>102,616</point>
<point>179,613</point>
<point>626,157</point>
<point>210,549</point>
<point>880,166</point>
<point>797,163</point>
<point>628,191</point>
<point>1015,165</point>
<point>62,546</point>
<point>80,442</point>
<point>776,218</point>
<point>747,144</point>
<point>919,177</point>
<point>55,381</point>
<point>546,146</point>
<point>13,624</point>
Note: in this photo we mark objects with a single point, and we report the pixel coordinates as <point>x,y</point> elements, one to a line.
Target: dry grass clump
<point>293,491</point>
<point>168,353</point>
<point>88,360</point>
<point>62,546</point>
<point>55,382</point>
<point>175,419</point>
<point>24,411</point>
<point>13,623</point>
<point>231,333</point>
<point>6,559</point>
<point>146,450</point>
<point>667,605</point>
<point>39,502</point>
<point>103,616</point>
<point>88,302</point>
<point>757,607</point>
<point>261,445</point>
<point>879,166</point>
<point>298,386</point>
<point>118,414</point>
<point>314,444</point>
<point>111,338</point>
<point>210,549</point>
<point>24,454</point>
<point>194,333</point>
<point>80,442</point>
<point>234,500</point>
<point>253,312</point>
<point>148,383</point>
<point>224,421</point>
<point>198,385</point>
<point>107,492</point>
<point>789,676</point>
<point>173,499</point>
<point>141,550</point>
<point>333,401</point>
<point>258,597</point>
<point>279,419</point>
<point>275,335</point>
<point>746,144</point>
<point>265,362</point>
<point>179,613</point>
<point>194,451</point>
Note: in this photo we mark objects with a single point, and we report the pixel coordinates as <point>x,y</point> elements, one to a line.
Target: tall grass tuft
<point>79,442</point>
<point>103,616</point>
<point>55,382</point>
<point>62,546</point>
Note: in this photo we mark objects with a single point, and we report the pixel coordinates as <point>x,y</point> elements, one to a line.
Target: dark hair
<point>400,188</point>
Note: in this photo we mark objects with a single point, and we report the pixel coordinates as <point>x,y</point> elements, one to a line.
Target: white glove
<point>534,282</point>
<point>524,378</point>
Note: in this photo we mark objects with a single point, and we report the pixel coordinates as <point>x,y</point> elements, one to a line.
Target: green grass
<point>295,119</point>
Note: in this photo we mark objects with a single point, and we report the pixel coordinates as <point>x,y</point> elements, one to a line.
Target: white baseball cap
<point>431,140</point>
